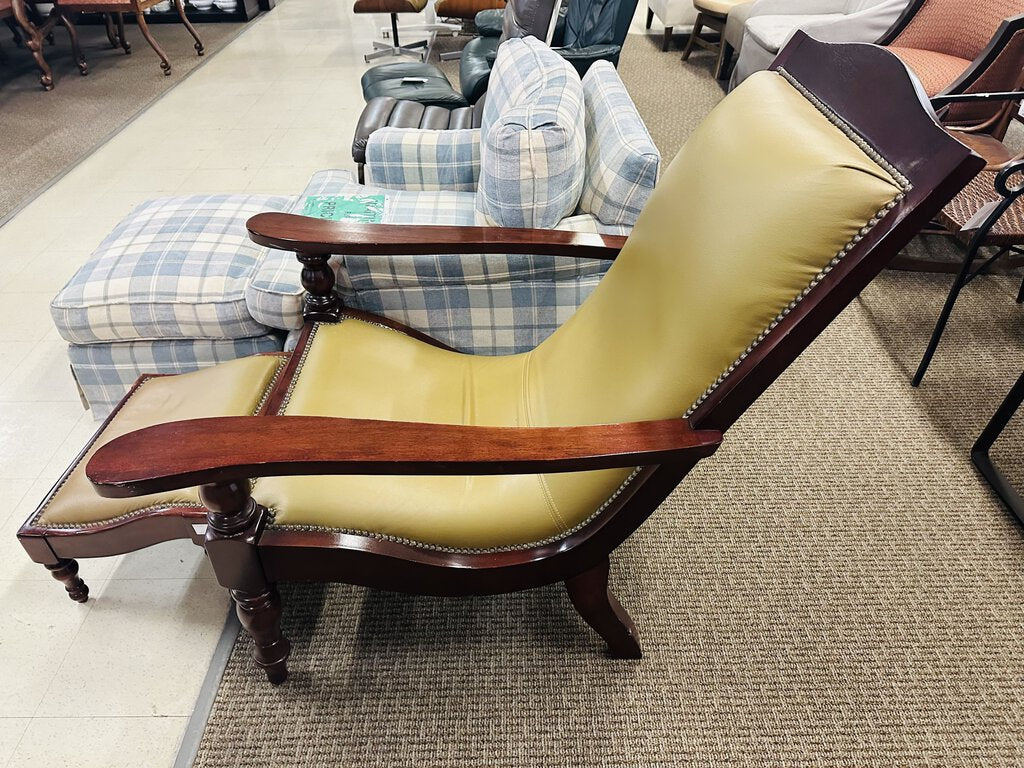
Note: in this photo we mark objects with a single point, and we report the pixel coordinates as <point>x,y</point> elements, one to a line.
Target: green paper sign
<point>367,209</point>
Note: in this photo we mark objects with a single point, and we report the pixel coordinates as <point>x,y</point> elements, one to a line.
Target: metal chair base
<point>418,49</point>
<point>983,460</point>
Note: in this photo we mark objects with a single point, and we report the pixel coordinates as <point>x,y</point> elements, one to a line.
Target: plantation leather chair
<point>385,460</point>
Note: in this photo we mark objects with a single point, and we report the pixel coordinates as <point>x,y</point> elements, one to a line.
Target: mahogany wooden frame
<point>250,555</point>
<point>998,124</point>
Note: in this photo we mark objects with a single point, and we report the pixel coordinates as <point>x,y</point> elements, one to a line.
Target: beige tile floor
<point>112,683</point>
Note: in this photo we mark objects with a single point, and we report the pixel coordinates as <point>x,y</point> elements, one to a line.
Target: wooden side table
<point>983,460</point>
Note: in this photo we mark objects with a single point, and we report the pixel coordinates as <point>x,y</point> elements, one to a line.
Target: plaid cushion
<point>622,161</point>
<point>105,372</point>
<point>274,294</point>
<point>417,159</point>
<point>492,319</point>
<point>174,268</point>
<point>483,304</point>
<point>534,138</point>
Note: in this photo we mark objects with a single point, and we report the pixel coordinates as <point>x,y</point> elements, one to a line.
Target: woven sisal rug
<point>835,587</point>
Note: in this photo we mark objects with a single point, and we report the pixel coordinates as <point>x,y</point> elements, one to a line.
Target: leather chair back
<point>597,22</point>
<point>526,18</point>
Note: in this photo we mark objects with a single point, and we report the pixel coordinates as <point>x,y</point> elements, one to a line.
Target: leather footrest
<point>389,112</point>
<point>411,81</point>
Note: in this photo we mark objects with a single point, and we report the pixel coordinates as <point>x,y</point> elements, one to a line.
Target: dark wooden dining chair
<point>373,455</point>
<point>32,31</point>
<point>114,11</point>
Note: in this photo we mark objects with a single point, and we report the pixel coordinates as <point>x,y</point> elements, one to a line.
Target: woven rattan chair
<point>511,472</point>
<point>988,212</point>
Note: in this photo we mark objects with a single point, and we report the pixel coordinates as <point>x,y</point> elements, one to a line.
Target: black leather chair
<point>584,31</point>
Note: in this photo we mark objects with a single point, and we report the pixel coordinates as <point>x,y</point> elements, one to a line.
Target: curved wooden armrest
<point>182,454</point>
<point>320,237</point>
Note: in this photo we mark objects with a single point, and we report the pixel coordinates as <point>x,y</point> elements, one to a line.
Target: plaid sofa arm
<point>416,159</point>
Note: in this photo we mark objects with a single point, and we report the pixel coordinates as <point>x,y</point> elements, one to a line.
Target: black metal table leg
<point>983,461</point>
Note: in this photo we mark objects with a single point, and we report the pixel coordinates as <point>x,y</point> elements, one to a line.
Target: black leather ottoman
<point>402,81</point>
<point>388,112</point>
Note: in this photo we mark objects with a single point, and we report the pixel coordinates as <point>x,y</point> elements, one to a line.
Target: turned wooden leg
<point>597,605</point>
<point>125,45</point>
<point>261,617</point>
<point>234,523</point>
<point>165,63</point>
<point>188,25</point>
<point>66,572</point>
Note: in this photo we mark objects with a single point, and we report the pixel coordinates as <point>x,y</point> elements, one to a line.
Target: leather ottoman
<point>411,81</point>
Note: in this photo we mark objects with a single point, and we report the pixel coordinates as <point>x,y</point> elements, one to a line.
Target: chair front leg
<point>66,572</point>
<point>234,523</point>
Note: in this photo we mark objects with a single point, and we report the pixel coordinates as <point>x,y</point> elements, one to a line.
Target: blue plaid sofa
<point>178,285</point>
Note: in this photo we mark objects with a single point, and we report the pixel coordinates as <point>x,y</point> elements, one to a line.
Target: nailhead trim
<point>904,185</point>
<point>282,361</point>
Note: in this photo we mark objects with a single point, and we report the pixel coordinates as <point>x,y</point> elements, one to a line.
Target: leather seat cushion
<point>936,71</point>
<point>389,6</point>
<point>235,388</point>
<point>389,112</point>
<point>386,80</point>
<point>375,372</point>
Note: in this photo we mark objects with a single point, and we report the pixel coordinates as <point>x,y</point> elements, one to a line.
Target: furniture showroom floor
<point>278,103</point>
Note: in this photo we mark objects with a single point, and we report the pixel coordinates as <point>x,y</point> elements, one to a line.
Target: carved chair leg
<point>180,6</point>
<point>165,63</point>
<point>597,605</point>
<point>66,572</point>
<point>234,525</point>
<point>261,616</point>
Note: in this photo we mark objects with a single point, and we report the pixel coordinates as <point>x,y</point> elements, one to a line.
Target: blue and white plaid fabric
<point>174,268</point>
<point>622,161</point>
<point>274,295</point>
<point>489,319</point>
<point>534,138</point>
<point>417,159</point>
<point>105,372</point>
<point>492,304</point>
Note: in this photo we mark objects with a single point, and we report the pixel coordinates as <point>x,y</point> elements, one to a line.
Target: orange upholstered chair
<point>955,46</point>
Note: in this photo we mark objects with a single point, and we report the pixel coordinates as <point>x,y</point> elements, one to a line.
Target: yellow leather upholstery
<point>230,389</point>
<point>763,196</point>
